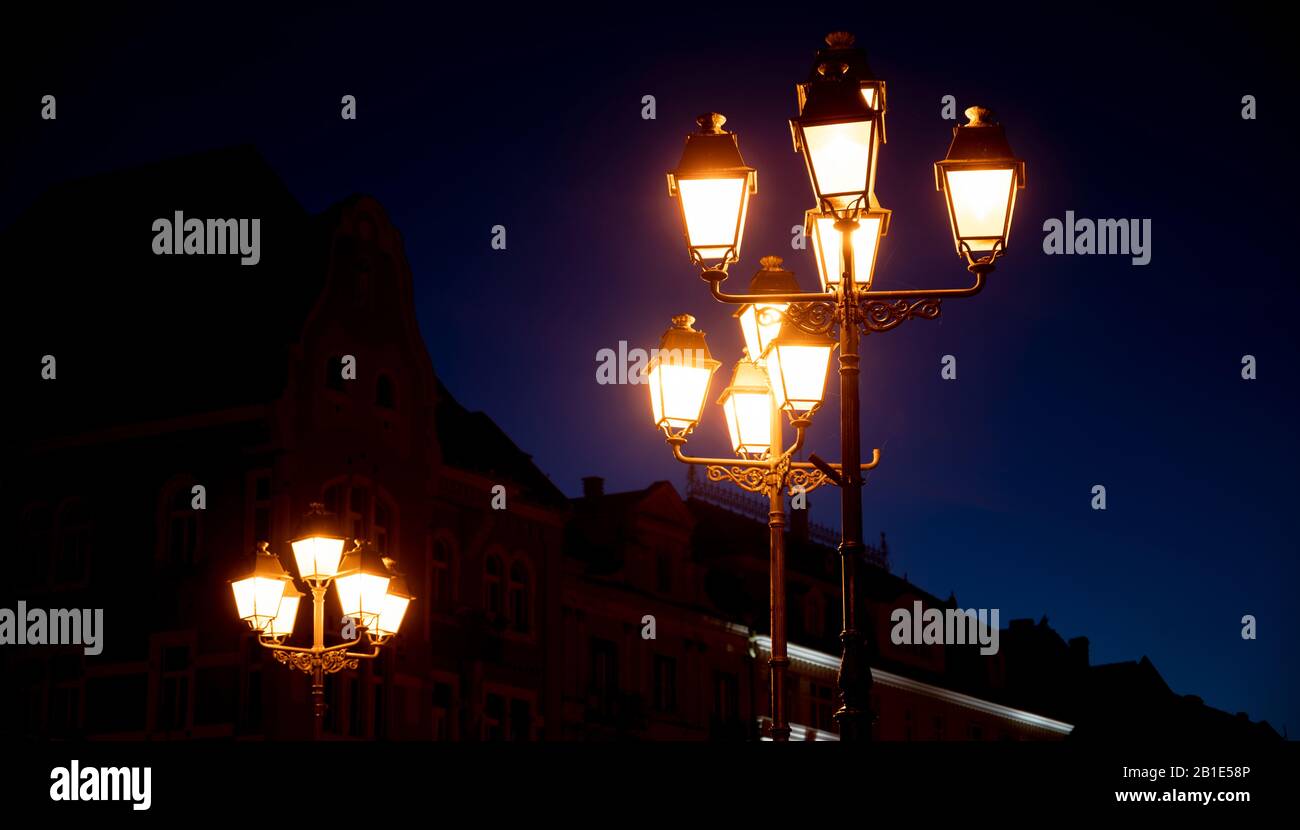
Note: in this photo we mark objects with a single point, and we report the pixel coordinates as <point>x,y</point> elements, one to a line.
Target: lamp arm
<point>869,465</point>
<point>677,444</point>
<point>714,278</point>
<point>980,269</point>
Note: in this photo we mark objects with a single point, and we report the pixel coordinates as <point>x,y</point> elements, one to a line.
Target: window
<point>441,711</point>
<point>258,508</point>
<point>181,524</point>
<point>664,573</point>
<point>976,732</point>
<point>507,716</point>
<point>520,596</point>
<point>385,393</point>
<point>64,708</point>
<point>38,533</point>
<point>604,673</point>
<point>72,543</point>
<point>493,718</point>
<point>823,707</point>
<point>173,711</point>
<point>665,680</point>
<point>907,725</point>
<point>726,696</point>
<point>938,727</point>
<point>440,578</point>
<point>364,512</point>
<point>492,596</point>
<point>334,373</point>
<point>379,529</point>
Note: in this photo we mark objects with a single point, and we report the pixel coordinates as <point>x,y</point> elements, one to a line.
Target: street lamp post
<point>839,130</point>
<point>370,592</point>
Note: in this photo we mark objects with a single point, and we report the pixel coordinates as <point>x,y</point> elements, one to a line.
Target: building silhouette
<point>176,372</point>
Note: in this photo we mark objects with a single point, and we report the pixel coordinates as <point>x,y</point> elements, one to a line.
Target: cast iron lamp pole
<point>839,130</point>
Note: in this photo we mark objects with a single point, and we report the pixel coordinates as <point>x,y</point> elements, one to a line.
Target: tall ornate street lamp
<point>369,591</point>
<point>839,130</point>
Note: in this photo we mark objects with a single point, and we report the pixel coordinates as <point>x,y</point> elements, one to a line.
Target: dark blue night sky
<point>1072,370</point>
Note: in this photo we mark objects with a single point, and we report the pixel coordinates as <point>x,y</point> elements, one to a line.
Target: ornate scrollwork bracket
<point>814,318</point>
<point>330,662</point>
<point>805,480</point>
<point>753,479</point>
<point>883,315</point>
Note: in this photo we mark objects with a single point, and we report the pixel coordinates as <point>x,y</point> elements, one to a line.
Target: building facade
<point>201,407</point>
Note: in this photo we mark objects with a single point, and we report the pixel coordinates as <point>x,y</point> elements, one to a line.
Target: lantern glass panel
<point>714,211</point>
<point>981,203</point>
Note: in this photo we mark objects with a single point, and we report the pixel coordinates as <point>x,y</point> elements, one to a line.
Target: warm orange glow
<point>677,392</point>
<point>714,210</point>
<point>747,408</point>
<point>840,155</point>
<point>318,557</point>
<point>257,599</point>
<point>981,204</point>
<point>760,323</point>
<point>828,248</point>
<point>798,372</point>
<point>361,595</point>
<point>282,625</point>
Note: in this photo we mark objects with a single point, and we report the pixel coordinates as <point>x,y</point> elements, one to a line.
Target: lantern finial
<point>771,263</point>
<point>980,117</point>
<point>840,40</point>
<point>684,322</point>
<point>710,123</point>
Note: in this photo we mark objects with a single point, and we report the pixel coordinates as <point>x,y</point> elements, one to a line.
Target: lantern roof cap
<point>748,376</point>
<point>683,345</point>
<point>980,139</point>
<point>840,58</point>
<point>771,278</point>
<point>364,558</point>
<point>266,565</point>
<point>710,149</point>
<point>318,522</point>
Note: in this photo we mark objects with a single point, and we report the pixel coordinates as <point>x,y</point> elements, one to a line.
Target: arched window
<point>493,598</point>
<point>520,596</point>
<point>385,393</point>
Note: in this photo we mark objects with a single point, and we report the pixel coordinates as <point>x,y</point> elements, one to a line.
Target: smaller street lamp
<point>368,588</point>
<point>979,178</point>
<point>679,375</point>
<point>713,186</point>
